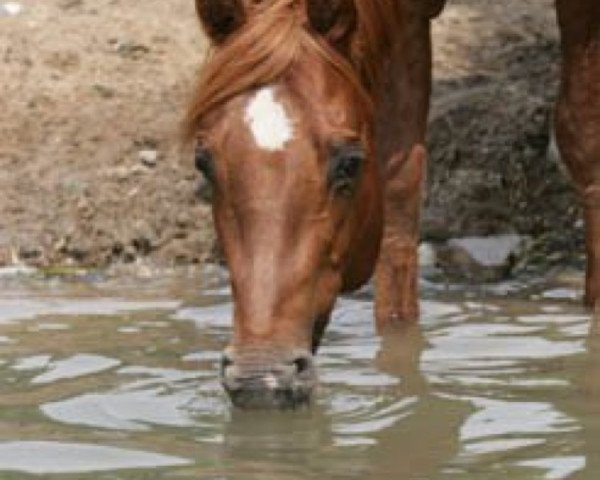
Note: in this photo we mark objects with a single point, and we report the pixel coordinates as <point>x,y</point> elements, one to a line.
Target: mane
<point>269,45</point>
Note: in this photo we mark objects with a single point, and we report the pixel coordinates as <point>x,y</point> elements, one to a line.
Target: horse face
<point>298,213</point>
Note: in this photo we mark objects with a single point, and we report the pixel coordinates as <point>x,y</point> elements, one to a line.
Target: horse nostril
<point>302,364</point>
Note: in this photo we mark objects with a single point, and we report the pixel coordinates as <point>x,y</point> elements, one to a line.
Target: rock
<point>490,171</point>
<point>149,158</point>
<point>481,259</point>
<point>17,271</point>
<point>427,255</point>
<point>131,50</point>
<point>30,252</point>
<point>183,220</point>
<point>104,91</point>
<point>10,9</point>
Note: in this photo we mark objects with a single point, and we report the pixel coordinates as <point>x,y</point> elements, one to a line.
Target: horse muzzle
<point>258,381</point>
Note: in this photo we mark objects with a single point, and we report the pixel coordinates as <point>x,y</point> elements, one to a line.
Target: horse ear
<point>335,20</point>
<point>220,18</point>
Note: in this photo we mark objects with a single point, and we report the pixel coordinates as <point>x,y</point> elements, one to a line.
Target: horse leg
<point>402,111</point>
<point>578,120</point>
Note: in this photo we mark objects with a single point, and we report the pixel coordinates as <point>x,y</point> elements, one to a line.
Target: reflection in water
<point>584,402</point>
<point>480,389</point>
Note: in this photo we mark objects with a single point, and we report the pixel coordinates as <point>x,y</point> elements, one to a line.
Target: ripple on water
<point>133,411</point>
<point>495,419</point>
<point>480,351</point>
<point>12,309</point>
<point>36,362</point>
<point>79,365</point>
<point>356,424</point>
<point>44,458</point>
<point>557,468</point>
<point>156,397</point>
<point>478,387</point>
<point>214,316</point>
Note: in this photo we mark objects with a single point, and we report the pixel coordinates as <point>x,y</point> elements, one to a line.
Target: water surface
<point>118,380</point>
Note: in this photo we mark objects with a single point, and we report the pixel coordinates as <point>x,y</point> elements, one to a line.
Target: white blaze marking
<point>268,121</point>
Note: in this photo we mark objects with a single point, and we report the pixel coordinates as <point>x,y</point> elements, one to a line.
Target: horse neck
<point>381,23</point>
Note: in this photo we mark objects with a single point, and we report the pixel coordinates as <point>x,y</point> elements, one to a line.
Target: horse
<point>309,121</point>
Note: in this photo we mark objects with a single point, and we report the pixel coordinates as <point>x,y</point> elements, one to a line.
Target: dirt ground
<point>92,92</point>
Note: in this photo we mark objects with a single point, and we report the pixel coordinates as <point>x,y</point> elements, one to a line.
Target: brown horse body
<point>310,120</point>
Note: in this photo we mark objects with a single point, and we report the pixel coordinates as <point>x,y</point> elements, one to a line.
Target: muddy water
<point>119,381</point>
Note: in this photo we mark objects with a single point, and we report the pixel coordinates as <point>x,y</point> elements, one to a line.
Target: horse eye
<point>204,163</point>
<point>345,166</point>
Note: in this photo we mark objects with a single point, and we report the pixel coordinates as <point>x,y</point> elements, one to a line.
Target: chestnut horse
<point>310,119</point>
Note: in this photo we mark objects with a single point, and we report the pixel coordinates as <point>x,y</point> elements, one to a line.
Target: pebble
<point>149,158</point>
<point>481,259</point>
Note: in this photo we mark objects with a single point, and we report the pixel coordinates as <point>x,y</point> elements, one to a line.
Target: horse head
<point>283,127</point>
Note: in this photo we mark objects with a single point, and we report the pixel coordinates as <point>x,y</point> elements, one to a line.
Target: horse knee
<point>577,129</point>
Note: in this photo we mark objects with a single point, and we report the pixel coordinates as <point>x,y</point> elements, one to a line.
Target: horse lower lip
<point>270,399</point>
